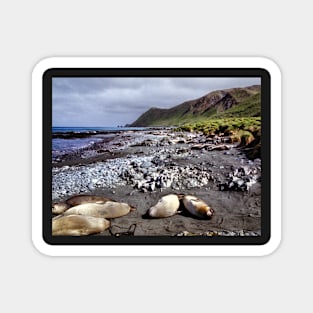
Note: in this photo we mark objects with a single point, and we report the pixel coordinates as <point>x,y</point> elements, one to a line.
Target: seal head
<point>60,207</point>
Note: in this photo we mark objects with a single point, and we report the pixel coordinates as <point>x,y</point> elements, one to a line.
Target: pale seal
<point>61,207</point>
<point>165,207</point>
<point>109,209</point>
<point>197,207</point>
<point>78,225</point>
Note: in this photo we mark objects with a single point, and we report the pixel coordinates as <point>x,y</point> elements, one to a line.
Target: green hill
<point>220,104</point>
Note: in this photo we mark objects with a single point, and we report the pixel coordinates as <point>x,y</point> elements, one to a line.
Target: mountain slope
<point>235,102</point>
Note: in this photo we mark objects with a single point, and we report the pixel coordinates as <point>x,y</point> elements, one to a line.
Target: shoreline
<point>140,167</point>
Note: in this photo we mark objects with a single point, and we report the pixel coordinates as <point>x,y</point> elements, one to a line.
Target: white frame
<point>156,250</point>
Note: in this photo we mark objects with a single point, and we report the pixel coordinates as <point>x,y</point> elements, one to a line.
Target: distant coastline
<point>80,129</point>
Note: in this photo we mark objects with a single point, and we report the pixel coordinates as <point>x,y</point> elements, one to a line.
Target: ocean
<point>90,129</point>
<point>61,146</point>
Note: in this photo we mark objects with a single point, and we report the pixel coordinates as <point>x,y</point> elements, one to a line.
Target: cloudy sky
<point>113,101</point>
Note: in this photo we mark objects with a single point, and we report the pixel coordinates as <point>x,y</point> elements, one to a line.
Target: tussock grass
<point>246,131</point>
<point>224,126</point>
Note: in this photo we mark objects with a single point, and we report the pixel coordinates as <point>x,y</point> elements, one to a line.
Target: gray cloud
<point>120,100</point>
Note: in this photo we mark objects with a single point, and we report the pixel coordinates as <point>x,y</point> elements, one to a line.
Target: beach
<point>140,166</point>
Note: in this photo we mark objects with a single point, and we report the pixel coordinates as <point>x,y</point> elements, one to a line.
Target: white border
<point>156,62</point>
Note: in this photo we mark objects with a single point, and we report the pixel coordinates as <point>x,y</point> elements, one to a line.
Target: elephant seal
<point>197,207</point>
<point>80,199</point>
<point>61,207</point>
<point>165,207</point>
<point>109,209</point>
<point>78,225</point>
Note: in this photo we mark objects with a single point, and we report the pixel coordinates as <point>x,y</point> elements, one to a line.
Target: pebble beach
<point>140,166</point>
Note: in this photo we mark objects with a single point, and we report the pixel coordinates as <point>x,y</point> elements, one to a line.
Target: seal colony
<point>88,213</point>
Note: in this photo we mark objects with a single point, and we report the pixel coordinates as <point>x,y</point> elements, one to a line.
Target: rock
<point>223,187</point>
<point>175,186</point>
<point>191,183</point>
<point>146,164</point>
<point>199,146</point>
<point>219,147</point>
<point>241,233</point>
<point>151,186</point>
<point>224,233</point>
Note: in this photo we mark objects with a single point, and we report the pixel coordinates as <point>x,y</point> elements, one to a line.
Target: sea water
<point>61,146</point>
<point>91,129</point>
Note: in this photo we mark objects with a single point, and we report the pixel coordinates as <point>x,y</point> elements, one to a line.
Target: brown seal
<point>197,207</point>
<point>78,225</point>
<point>61,207</point>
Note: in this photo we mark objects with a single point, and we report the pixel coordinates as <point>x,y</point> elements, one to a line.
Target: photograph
<point>156,156</point>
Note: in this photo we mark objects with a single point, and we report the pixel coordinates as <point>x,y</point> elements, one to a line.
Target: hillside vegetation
<point>235,102</point>
<point>235,113</point>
